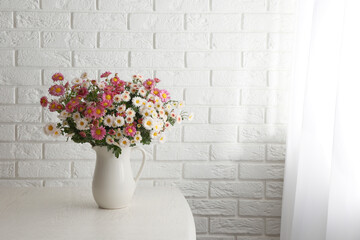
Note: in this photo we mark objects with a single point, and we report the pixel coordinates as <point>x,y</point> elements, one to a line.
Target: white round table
<point>71,213</point>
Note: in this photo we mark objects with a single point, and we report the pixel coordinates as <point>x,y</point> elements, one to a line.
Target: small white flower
<point>56,133</point>
<point>137,101</point>
<point>82,124</point>
<point>154,134</point>
<point>181,104</point>
<point>129,119</point>
<point>108,120</point>
<point>117,98</point>
<point>101,85</point>
<point>191,117</point>
<point>50,128</point>
<point>124,142</point>
<point>130,112</point>
<point>142,92</point>
<point>158,105</point>
<point>63,115</point>
<point>175,104</point>
<point>146,113</point>
<point>154,114</point>
<point>148,123</point>
<point>77,81</point>
<point>157,127</point>
<point>121,108</point>
<point>173,115</point>
<point>76,116</point>
<point>161,113</point>
<point>138,138</point>
<point>119,121</point>
<point>109,140</point>
<point>167,125</point>
<point>86,84</point>
<point>157,100</point>
<point>133,90</point>
<point>150,105</point>
<point>118,133</point>
<point>84,75</point>
<point>179,119</point>
<point>125,97</point>
<point>162,138</point>
<point>168,107</point>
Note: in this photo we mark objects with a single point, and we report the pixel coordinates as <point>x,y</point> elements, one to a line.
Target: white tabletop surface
<point>71,213</point>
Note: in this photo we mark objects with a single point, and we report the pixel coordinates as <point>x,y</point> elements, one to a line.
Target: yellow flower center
<point>50,128</point>
<point>164,95</point>
<point>58,90</point>
<point>108,97</point>
<point>98,111</point>
<point>130,130</point>
<point>82,123</point>
<point>148,123</point>
<point>124,142</point>
<point>89,111</point>
<point>156,92</point>
<point>98,132</point>
<point>149,83</point>
<point>108,120</point>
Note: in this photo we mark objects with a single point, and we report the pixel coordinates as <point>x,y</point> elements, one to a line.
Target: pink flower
<point>111,132</point>
<point>66,85</point>
<point>155,91</point>
<point>93,82</point>
<point>164,95</point>
<point>59,107</point>
<point>107,97</point>
<point>149,83</point>
<point>53,105</point>
<point>90,111</point>
<point>105,74</point>
<point>99,112</point>
<point>157,80</point>
<point>83,92</point>
<point>74,102</point>
<point>108,88</point>
<point>115,80</point>
<point>44,101</point>
<point>98,133</point>
<point>105,104</point>
<point>57,77</point>
<point>70,107</point>
<point>56,90</point>
<point>130,131</point>
<point>83,134</point>
<point>81,107</point>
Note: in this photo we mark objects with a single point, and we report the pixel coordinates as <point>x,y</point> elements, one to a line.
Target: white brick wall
<point>228,59</point>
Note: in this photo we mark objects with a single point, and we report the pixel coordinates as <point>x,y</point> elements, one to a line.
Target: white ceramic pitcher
<point>113,183</point>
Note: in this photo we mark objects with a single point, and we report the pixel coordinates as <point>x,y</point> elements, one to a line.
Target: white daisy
<point>84,75</point>
<point>125,97</point>
<point>86,84</point>
<point>168,107</point>
<point>118,133</point>
<point>179,119</point>
<point>50,128</point>
<point>146,113</point>
<point>191,117</point>
<point>124,142</point>
<point>137,101</point>
<point>181,104</point>
<point>175,104</point>
<point>161,113</point>
<point>137,138</point>
<point>129,119</point>
<point>109,140</point>
<point>63,115</point>
<point>154,114</point>
<point>162,138</point>
<point>154,134</point>
<point>101,85</point>
<point>158,105</point>
<point>77,81</point>
<point>157,99</point>
<point>119,121</point>
<point>167,125</point>
<point>56,133</point>
<point>82,124</point>
<point>130,112</point>
<point>121,108</point>
<point>173,115</point>
<point>150,105</point>
<point>142,92</point>
<point>126,92</point>
<point>117,98</point>
<point>148,123</point>
<point>108,120</point>
<point>157,127</point>
<point>133,90</point>
<point>76,116</point>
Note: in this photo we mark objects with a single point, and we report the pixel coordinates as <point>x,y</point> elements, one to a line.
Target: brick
<point>31,94</point>
<point>186,78</point>
<point>263,97</point>
<point>201,114</point>
<point>7,95</point>
<point>212,96</point>
<point>201,224</point>
<point>20,183</point>
<point>213,207</point>
<point>100,59</point>
<point>18,76</point>
<point>156,22</point>
<point>279,79</point>
<point>19,39</point>
<point>237,225</point>
<point>188,189</point>
<point>280,41</point>
<point>277,115</point>
<point>137,155</point>
<point>82,5</point>
<point>210,133</point>
<point>68,183</point>
<point>200,237</point>
<point>238,152</point>
<point>126,40</point>
<point>261,22</point>
<point>7,132</point>
<point>213,22</point>
<point>260,208</point>
<point>276,152</point>
<point>83,169</point>
<point>19,4</point>
<point>69,74</point>
<point>240,41</point>
<point>239,5</point>
<point>249,78</point>
<point>69,40</point>
<point>127,73</point>
<point>157,59</point>
<point>181,5</point>
<point>44,58</point>
<point>237,115</point>
<point>157,170</point>
<point>174,135</point>
<point>6,58</point>
<point>261,171</point>
<point>7,169</point>
<point>99,21</point>
<point>182,41</point>
<point>257,238</point>
<point>20,151</point>
<point>237,190</point>
<point>38,169</point>
<point>274,189</point>
<point>176,93</point>
<point>262,133</point>
<point>20,114</point>
<point>282,6</point>
<point>214,60</point>
<point>267,60</point>
<point>182,152</point>
<point>273,226</point>
<point>6,20</point>
<point>207,171</point>
<point>35,133</point>
<point>126,5</point>
<point>68,151</point>
<point>42,20</point>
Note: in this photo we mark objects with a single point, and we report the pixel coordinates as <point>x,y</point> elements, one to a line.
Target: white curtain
<point>321,199</point>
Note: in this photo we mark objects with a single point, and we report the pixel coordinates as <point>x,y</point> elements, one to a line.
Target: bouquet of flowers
<point>113,113</point>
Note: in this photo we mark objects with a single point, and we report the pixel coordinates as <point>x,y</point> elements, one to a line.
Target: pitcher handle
<point>142,163</point>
